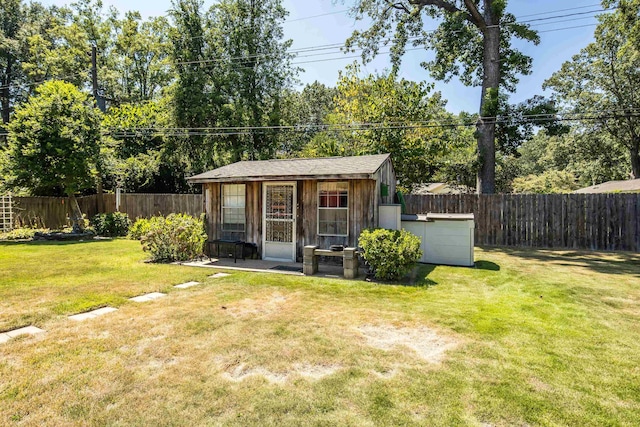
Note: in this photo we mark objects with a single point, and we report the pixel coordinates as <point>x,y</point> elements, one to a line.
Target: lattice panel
<point>6,213</point>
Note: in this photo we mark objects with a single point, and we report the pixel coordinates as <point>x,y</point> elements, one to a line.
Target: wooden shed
<point>283,205</point>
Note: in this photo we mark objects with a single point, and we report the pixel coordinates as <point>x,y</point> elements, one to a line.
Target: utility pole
<point>94,80</point>
<point>101,105</point>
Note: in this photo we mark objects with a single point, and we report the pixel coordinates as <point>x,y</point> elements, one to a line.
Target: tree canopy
<point>54,141</point>
<point>472,42</point>
<point>600,84</point>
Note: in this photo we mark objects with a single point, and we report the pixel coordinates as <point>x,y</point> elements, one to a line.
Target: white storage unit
<point>446,238</point>
<point>389,216</point>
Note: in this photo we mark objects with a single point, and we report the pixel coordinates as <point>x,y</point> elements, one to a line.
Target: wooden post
<point>309,260</point>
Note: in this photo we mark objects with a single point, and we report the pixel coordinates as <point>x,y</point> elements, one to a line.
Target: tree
<point>472,42</point>
<point>257,70</point>
<point>600,84</point>
<point>141,56</point>
<point>591,157</point>
<point>308,111</point>
<point>11,18</point>
<point>54,140</point>
<point>196,99</point>
<point>381,114</point>
<point>549,182</point>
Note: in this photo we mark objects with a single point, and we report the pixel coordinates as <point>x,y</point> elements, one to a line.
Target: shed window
<point>233,198</point>
<point>333,208</point>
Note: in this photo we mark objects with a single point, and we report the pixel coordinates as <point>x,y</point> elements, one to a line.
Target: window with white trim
<point>233,203</point>
<point>333,208</point>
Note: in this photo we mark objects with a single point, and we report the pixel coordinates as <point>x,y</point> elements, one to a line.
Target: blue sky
<point>335,26</point>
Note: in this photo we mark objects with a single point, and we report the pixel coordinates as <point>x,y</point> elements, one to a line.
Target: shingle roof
<point>630,185</point>
<point>357,167</point>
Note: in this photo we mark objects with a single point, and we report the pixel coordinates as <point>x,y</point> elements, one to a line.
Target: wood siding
<point>386,175</point>
<point>362,213</point>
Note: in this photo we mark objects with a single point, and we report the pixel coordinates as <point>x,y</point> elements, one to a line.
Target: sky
<point>564,27</point>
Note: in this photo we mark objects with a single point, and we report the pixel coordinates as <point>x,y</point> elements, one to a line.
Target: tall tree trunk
<point>5,91</point>
<point>76,214</point>
<point>486,125</point>
<point>635,157</point>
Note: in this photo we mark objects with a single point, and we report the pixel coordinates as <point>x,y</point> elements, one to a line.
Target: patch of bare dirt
<point>425,342</point>
<point>250,307</point>
<point>240,372</point>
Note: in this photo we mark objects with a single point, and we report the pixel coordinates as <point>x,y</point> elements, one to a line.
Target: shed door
<point>279,221</point>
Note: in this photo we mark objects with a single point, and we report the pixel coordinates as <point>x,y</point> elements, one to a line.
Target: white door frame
<point>264,219</point>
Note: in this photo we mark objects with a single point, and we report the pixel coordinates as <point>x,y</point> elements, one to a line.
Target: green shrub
<point>178,237</point>
<point>139,228</point>
<point>22,233</point>
<point>112,224</point>
<point>391,254</point>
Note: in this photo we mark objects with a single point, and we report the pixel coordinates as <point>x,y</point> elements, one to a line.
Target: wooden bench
<point>349,260</point>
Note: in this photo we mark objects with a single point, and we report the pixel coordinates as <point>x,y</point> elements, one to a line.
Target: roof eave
<point>196,180</point>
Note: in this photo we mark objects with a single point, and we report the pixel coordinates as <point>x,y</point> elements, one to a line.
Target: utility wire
<point>184,132</point>
<point>525,118</point>
<point>341,45</point>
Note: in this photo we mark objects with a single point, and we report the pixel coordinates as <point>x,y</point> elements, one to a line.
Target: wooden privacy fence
<point>148,205</point>
<point>52,212</point>
<point>572,221</point>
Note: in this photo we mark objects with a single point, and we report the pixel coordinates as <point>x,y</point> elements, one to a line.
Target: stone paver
<point>82,316</point>
<point>92,314</point>
<point>147,297</point>
<point>31,330</point>
<point>217,275</point>
<point>186,285</point>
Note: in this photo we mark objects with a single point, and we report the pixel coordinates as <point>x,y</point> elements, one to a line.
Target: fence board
<point>53,212</point>
<point>571,221</point>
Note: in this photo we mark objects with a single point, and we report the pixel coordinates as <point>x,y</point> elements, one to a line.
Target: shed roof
<point>356,167</point>
<point>630,185</point>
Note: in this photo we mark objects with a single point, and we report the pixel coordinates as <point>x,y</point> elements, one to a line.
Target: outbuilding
<point>283,205</point>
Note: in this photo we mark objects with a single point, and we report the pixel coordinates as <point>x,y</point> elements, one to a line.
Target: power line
<point>526,118</point>
<point>373,126</point>
<point>568,28</point>
<point>559,10</point>
<point>316,16</point>
<point>564,16</point>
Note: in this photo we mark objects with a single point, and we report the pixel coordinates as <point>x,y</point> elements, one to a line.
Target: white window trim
<point>337,208</point>
<point>223,208</point>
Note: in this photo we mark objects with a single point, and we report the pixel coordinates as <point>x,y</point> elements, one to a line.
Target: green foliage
<point>254,69</point>
<point>551,181</point>
<point>54,140</point>
<point>139,228</point>
<point>591,157</point>
<point>112,224</point>
<point>176,237</point>
<point>398,108</point>
<point>22,233</point>
<point>601,82</point>
<point>390,253</point>
<point>468,42</point>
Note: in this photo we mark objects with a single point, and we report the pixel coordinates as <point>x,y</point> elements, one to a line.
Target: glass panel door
<point>279,221</point>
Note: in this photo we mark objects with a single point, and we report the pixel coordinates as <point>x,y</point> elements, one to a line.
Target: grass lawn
<point>531,338</point>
